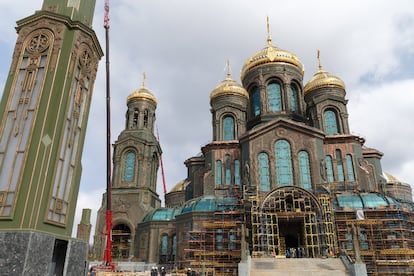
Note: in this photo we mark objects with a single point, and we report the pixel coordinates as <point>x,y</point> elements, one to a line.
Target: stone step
<point>298,266</point>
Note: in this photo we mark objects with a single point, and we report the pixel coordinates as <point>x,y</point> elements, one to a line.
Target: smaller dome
<point>142,93</point>
<point>228,87</point>
<point>323,78</point>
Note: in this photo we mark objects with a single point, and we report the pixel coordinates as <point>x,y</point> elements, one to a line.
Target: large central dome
<point>271,54</point>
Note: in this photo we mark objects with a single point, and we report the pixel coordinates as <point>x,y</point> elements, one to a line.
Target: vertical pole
<point>108,248</point>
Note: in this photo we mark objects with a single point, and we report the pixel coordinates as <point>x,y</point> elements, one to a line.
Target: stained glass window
<point>264,172</point>
<point>350,167</point>
<point>331,123</point>
<point>218,172</point>
<point>256,101</point>
<point>339,165</point>
<point>129,166</point>
<point>329,168</point>
<point>283,163</point>
<point>275,97</point>
<point>293,98</point>
<point>304,169</point>
<point>228,128</point>
<point>237,172</point>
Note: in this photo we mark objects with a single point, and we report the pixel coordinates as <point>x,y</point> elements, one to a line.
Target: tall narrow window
<point>283,163</point>
<point>218,172</point>
<point>136,117</point>
<point>227,171</point>
<point>293,98</point>
<point>329,168</point>
<point>350,167</point>
<point>237,172</point>
<point>146,118</point>
<point>129,166</point>
<point>228,128</point>
<point>174,245</point>
<point>275,97</point>
<point>164,245</point>
<point>264,172</point>
<point>331,122</point>
<point>339,165</point>
<point>304,169</point>
<point>256,102</point>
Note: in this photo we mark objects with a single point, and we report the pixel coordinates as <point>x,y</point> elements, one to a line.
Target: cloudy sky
<point>183,45</point>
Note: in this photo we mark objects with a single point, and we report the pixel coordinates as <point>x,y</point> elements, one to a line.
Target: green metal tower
<point>43,118</point>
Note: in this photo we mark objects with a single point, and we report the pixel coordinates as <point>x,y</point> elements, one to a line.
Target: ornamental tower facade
<point>44,112</point>
<point>135,165</point>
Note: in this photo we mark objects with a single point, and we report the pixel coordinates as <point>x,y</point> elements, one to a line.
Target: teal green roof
<point>162,214</point>
<point>367,201</point>
<point>208,204</point>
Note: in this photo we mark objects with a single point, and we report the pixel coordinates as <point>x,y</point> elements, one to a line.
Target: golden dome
<point>142,93</point>
<point>228,87</point>
<point>323,78</point>
<point>271,54</point>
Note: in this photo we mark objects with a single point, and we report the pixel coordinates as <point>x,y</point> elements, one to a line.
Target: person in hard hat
<point>163,272</point>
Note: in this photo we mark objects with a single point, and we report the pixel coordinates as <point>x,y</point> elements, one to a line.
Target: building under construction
<point>283,177</point>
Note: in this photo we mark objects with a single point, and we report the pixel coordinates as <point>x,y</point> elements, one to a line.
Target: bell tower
<point>43,118</point>
<point>135,166</point>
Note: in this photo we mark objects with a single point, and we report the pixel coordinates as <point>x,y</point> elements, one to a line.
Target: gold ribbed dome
<point>228,87</point>
<point>142,93</point>
<point>271,54</point>
<point>323,78</point>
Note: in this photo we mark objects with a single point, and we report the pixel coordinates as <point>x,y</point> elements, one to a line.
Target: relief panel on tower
<point>17,125</point>
<point>65,170</point>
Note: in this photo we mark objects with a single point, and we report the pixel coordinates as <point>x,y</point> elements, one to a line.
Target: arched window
<point>283,163</point>
<point>129,166</point>
<point>218,172</point>
<point>237,172</point>
<point>227,171</point>
<point>331,122</point>
<point>339,165</point>
<point>256,102</point>
<point>304,170</point>
<point>135,118</point>
<point>146,118</point>
<point>164,245</point>
<point>264,172</point>
<point>228,128</point>
<point>293,98</point>
<point>174,245</point>
<point>275,97</point>
<point>329,168</point>
<point>350,167</point>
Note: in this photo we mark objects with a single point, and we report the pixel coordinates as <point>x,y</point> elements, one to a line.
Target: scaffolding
<point>385,237</point>
<point>215,248</point>
<point>273,218</point>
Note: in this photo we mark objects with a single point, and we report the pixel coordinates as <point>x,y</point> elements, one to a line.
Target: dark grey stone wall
<point>25,253</point>
<point>76,258</point>
<point>31,254</point>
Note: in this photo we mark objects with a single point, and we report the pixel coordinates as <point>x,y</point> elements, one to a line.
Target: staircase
<point>298,266</point>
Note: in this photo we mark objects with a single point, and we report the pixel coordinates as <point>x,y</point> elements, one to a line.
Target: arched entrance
<point>121,242</point>
<point>288,219</point>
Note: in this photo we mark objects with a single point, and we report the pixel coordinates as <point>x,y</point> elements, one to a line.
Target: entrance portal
<point>293,232</point>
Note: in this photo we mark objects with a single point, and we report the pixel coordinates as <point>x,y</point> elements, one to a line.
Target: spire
<point>318,56</point>
<point>228,69</point>
<point>144,78</point>
<point>269,38</point>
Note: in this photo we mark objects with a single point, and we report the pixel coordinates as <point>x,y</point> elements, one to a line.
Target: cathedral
<point>283,172</point>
